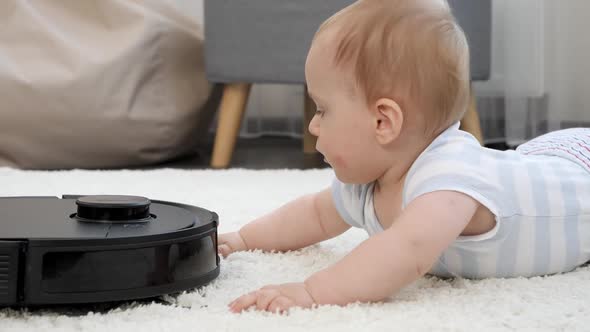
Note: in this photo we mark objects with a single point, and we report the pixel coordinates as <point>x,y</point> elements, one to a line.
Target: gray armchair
<point>266,41</point>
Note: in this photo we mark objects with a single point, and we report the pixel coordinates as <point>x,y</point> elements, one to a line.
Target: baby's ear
<point>389,119</point>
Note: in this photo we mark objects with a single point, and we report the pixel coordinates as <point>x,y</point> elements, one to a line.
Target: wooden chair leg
<point>470,122</point>
<point>231,113</point>
<point>308,139</point>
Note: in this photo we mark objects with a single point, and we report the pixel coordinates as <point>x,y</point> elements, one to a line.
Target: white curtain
<point>567,63</point>
<point>274,110</point>
<point>540,79</point>
<point>540,73</point>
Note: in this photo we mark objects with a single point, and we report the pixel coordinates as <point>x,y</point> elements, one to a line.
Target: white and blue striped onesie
<point>539,194</point>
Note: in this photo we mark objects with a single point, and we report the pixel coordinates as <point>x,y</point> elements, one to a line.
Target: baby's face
<point>343,124</point>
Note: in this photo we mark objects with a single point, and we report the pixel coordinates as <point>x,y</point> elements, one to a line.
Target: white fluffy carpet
<point>540,304</point>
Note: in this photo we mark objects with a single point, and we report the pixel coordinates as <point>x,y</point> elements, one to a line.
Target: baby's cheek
<point>339,161</point>
<point>341,167</point>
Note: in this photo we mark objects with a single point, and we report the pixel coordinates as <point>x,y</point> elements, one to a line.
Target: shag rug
<point>554,303</point>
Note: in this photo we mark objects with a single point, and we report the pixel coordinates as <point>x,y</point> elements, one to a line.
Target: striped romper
<point>539,195</point>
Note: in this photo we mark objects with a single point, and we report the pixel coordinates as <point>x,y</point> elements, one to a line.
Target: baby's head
<point>385,74</point>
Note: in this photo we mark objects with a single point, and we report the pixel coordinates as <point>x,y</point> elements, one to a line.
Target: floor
<point>257,153</point>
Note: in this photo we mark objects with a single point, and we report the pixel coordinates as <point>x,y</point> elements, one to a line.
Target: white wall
<point>517,49</point>
<point>567,65</point>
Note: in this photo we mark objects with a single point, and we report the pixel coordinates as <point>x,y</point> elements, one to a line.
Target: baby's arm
<point>305,221</point>
<point>381,265</point>
<point>385,263</point>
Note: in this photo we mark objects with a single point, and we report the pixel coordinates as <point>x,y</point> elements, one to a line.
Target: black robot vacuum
<point>102,248</point>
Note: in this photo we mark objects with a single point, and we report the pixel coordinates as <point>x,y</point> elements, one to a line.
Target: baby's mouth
<point>323,157</point>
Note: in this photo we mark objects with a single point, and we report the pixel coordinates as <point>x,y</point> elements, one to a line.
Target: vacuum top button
<point>113,208</point>
<point>115,201</point>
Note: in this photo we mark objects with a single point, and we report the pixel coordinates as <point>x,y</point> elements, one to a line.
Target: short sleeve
<point>349,200</point>
<point>450,173</point>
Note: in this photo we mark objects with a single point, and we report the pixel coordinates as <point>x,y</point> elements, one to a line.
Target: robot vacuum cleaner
<point>102,248</point>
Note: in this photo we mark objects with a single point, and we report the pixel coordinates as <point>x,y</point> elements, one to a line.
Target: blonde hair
<point>406,49</point>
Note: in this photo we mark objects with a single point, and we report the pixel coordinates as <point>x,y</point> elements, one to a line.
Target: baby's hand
<point>275,298</point>
<point>230,242</point>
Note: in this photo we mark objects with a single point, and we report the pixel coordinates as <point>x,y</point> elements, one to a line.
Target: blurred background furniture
<point>100,84</point>
<point>266,41</point>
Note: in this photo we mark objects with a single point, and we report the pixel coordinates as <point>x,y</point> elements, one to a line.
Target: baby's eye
<point>319,112</point>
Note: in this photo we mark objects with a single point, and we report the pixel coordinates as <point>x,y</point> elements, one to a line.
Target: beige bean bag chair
<point>99,84</point>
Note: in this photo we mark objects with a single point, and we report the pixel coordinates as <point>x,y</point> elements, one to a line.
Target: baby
<point>390,79</point>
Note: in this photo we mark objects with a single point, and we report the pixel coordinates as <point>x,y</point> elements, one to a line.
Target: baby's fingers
<point>280,304</point>
<point>265,297</point>
<point>224,249</point>
<point>243,302</point>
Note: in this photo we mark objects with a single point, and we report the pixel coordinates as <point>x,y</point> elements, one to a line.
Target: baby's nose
<point>314,127</point>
